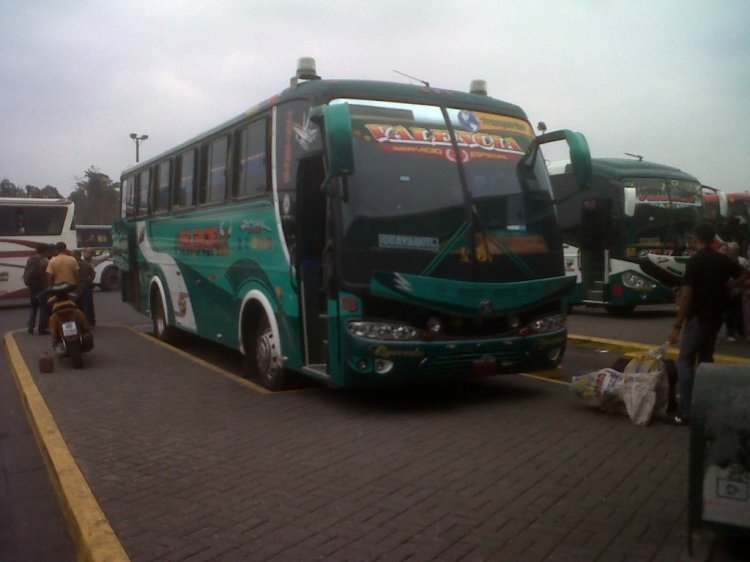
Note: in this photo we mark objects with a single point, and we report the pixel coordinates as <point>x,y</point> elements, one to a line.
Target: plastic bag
<point>599,389</point>
<point>638,392</point>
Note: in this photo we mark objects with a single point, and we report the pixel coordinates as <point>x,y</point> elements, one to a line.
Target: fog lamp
<point>383,366</point>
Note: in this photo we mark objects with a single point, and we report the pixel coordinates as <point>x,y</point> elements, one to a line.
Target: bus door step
<point>317,371</point>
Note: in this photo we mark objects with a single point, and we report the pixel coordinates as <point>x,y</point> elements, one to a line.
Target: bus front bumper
<point>375,363</point>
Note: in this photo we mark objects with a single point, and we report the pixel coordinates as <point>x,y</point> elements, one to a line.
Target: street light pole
<point>138,140</point>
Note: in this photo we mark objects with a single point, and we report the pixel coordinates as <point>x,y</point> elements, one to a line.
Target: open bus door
<point>315,258</point>
<point>125,258</point>
<point>595,243</point>
<point>311,236</point>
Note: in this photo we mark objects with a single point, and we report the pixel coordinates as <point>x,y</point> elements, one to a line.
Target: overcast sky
<point>667,79</point>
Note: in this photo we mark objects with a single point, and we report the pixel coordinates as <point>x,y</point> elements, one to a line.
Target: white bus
<point>24,225</point>
<point>98,237</point>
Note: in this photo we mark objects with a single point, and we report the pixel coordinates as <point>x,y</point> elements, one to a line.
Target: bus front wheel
<point>263,356</point>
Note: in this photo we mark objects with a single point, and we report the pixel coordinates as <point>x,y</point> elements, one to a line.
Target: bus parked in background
<point>98,237</point>
<point>95,236</point>
<point>24,224</point>
<point>730,217</point>
<point>627,238</point>
<point>360,233</point>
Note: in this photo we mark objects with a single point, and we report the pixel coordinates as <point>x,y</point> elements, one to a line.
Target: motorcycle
<point>74,336</point>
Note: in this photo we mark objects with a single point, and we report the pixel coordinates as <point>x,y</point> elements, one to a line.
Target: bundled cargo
<point>639,391</point>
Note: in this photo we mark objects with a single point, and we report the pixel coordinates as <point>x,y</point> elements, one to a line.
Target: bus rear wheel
<point>263,356</point>
<point>162,330</point>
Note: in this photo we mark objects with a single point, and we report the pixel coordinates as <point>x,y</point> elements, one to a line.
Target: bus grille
<point>466,362</point>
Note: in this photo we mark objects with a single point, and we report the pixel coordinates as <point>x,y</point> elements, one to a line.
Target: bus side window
<point>214,179</point>
<point>143,192</point>
<point>7,221</point>
<point>184,181</point>
<point>34,221</point>
<point>128,197</point>
<point>161,191</point>
<point>253,174</point>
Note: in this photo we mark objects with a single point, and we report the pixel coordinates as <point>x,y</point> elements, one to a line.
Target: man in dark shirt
<point>703,299</point>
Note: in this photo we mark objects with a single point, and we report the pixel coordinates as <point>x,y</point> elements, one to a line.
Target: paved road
<point>506,468</point>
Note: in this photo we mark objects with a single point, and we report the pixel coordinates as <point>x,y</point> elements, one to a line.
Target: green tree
<point>9,189</point>
<point>47,192</point>
<point>96,198</point>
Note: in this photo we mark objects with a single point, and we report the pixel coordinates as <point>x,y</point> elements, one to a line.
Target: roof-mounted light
<point>478,87</point>
<point>305,71</point>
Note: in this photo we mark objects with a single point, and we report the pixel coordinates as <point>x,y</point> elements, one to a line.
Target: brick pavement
<point>191,465</point>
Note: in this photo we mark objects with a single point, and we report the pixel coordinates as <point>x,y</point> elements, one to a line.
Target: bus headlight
<point>638,282</point>
<point>544,324</point>
<point>382,330</point>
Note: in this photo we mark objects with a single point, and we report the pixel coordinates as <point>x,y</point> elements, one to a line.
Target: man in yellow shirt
<point>63,268</point>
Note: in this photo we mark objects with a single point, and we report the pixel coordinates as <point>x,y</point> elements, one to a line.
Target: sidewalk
<point>157,456</point>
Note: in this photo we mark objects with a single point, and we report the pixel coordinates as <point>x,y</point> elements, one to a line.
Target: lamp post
<point>138,140</point>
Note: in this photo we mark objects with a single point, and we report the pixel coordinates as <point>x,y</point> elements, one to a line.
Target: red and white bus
<point>730,217</point>
<point>24,225</point>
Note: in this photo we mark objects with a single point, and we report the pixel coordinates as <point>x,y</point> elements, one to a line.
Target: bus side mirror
<point>629,203</point>
<point>580,156</point>
<point>337,122</point>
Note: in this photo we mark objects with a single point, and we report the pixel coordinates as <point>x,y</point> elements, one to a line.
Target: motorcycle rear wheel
<point>76,356</point>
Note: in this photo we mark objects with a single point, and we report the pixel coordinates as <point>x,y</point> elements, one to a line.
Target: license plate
<point>69,329</point>
<point>485,365</point>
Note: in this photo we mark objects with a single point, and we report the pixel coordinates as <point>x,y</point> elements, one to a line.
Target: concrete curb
<point>89,528</point>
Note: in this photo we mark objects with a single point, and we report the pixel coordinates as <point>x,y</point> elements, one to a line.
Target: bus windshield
<point>406,209</point>
<point>666,212</point>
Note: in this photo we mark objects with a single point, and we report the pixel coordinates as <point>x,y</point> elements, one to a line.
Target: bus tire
<point>263,360</point>
<point>110,279</point>
<point>162,330</point>
<point>620,310</point>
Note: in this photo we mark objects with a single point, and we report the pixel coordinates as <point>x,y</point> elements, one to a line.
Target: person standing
<point>703,298</point>
<point>86,275</point>
<point>733,315</point>
<point>35,278</point>
<point>62,268</point>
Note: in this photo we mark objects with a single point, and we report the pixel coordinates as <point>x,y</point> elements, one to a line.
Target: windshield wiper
<point>471,213</point>
<point>473,223</point>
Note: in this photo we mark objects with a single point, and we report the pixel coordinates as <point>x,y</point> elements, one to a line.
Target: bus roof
<point>322,91</point>
<point>626,168</point>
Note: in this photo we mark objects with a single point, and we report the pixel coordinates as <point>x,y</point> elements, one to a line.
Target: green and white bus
<point>361,233</point>
<point>627,238</point>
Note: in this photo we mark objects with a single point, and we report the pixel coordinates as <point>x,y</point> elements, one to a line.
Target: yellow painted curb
<point>88,526</point>
<point>552,374</point>
<point>632,349</point>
